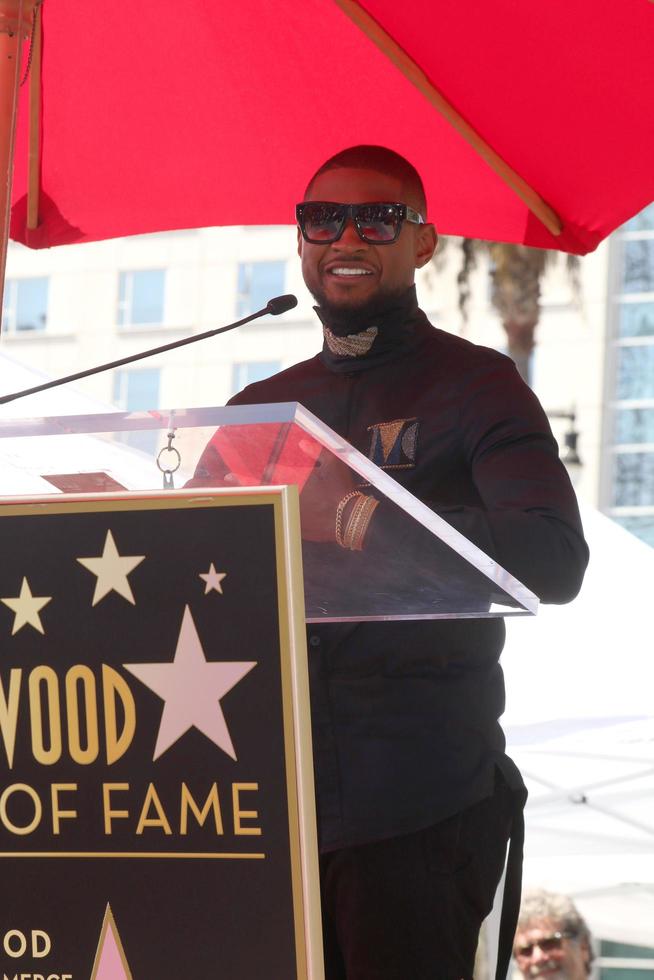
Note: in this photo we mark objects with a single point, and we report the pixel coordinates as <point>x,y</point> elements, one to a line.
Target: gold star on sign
<point>112,570</point>
<point>26,608</point>
<point>212,579</point>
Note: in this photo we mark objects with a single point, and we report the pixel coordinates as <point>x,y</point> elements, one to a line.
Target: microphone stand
<point>280,304</point>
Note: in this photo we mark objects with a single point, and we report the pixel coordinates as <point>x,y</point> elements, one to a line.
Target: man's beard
<point>354,316</point>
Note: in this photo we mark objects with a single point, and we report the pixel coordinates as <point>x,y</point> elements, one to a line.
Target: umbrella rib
<point>564,796</point>
<point>561,794</point>
<point>582,838</point>
<point>591,787</point>
<point>614,815</point>
<point>576,754</point>
<point>34,152</point>
<point>376,33</point>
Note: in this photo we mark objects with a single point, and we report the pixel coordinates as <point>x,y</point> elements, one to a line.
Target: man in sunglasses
<point>552,940</point>
<point>415,796</point>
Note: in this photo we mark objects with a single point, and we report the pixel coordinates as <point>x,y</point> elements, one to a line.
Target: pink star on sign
<point>110,961</point>
<point>213,579</point>
<point>191,688</point>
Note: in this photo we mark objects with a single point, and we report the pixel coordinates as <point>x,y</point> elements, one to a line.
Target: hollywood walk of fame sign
<point>156,803</point>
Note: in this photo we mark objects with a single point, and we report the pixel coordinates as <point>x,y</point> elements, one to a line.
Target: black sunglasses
<point>547,944</point>
<point>378,223</point>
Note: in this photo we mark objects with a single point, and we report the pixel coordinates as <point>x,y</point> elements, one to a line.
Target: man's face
<point>349,275</point>
<point>568,962</point>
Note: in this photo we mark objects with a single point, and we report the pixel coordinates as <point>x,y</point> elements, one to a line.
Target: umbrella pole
<point>15,23</point>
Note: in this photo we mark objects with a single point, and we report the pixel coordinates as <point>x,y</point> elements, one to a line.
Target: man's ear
<point>427,240</point>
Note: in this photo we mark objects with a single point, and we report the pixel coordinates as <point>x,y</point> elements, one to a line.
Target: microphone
<point>281,304</point>
<point>275,306</point>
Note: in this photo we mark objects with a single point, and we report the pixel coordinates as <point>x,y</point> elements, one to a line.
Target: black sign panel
<point>148,816</point>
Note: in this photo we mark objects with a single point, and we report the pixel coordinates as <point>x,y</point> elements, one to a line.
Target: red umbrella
<point>159,114</point>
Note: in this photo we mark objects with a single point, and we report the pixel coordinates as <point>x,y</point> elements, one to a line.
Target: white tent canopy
<point>580,724</point>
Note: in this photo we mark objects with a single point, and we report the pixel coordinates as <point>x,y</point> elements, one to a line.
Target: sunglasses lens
<point>322,222</point>
<point>547,945</point>
<point>378,222</point>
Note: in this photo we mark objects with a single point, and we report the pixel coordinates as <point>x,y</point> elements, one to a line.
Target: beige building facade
<point>69,308</point>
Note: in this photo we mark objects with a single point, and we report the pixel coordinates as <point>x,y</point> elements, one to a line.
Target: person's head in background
<point>552,939</point>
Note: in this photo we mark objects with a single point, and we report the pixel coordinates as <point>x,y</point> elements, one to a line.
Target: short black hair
<point>383,161</point>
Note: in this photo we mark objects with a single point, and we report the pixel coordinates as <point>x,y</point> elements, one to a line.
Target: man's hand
<point>329,482</point>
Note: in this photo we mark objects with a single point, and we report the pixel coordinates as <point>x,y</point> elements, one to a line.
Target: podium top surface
<point>412,563</point>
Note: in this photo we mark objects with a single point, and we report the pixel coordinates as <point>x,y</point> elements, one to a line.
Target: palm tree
<point>516,273</point>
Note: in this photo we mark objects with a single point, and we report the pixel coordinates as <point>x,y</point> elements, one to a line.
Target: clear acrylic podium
<point>414,565</point>
<point>161,714</point>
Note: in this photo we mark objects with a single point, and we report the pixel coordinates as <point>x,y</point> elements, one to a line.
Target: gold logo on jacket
<point>393,445</point>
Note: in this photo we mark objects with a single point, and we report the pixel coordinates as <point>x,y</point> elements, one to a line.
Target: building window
<point>141,296</point>
<point>247,372</point>
<point>638,265</point>
<point>25,304</point>
<point>630,496</point>
<point>643,221</point>
<point>642,526</point>
<point>633,479</point>
<point>635,370</point>
<point>257,283</point>
<point>634,425</point>
<point>636,319</point>
<point>136,391</point>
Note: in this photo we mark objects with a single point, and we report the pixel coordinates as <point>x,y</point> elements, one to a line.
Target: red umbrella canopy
<point>159,115</point>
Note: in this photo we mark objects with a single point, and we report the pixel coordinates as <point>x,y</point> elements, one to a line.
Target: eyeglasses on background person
<point>377,222</point>
<point>546,944</point>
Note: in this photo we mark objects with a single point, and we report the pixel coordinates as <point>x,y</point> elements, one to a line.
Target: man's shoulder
<point>280,386</point>
<point>449,347</point>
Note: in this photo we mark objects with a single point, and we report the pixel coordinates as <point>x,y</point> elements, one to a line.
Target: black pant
<point>410,908</point>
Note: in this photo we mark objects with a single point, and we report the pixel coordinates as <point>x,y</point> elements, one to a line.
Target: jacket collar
<point>360,343</point>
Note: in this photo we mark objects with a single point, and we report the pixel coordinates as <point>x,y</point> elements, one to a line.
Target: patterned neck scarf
<point>355,344</point>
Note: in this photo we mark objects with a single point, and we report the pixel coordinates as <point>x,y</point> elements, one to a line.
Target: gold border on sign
<point>303,848</point>
<point>297,738</point>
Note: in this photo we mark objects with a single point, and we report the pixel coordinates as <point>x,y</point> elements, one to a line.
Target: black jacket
<point>405,714</point>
